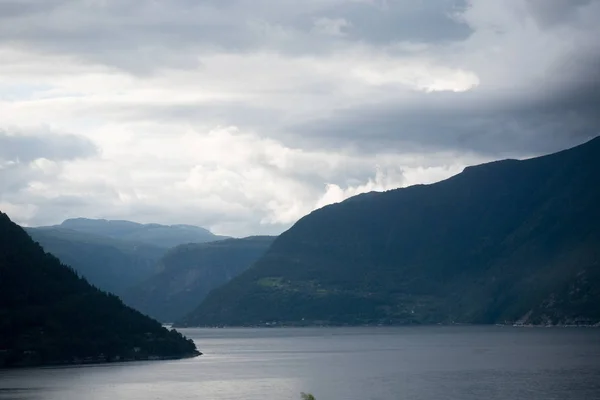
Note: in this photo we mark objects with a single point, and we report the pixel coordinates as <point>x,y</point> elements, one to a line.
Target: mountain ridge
<point>463,249</point>
<point>165,236</point>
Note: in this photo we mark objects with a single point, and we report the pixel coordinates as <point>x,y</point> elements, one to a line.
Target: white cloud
<point>232,182</point>
<point>382,181</point>
<point>243,116</point>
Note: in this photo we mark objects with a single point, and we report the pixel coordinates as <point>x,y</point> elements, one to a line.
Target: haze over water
<point>420,363</point>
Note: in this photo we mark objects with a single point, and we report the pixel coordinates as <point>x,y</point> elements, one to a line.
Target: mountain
<point>190,272</point>
<point>165,236</point>
<point>507,241</point>
<point>110,264</point>
<point>49,315</point>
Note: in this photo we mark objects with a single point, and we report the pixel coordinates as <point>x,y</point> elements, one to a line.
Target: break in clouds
<point>242,116</point>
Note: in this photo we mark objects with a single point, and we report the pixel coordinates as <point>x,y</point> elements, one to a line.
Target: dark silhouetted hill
<point>515,241</point>
<point>49,315</point>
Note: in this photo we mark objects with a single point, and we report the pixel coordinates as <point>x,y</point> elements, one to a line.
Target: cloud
<point>144,36</point>
<point>501,128</point>
<point>231,181</point>
<point>24,147</point>
<point>331,26</point>
<point>514,99</point>
<point>551,12</point>
<point>35,155</point>
<point>33,158</point>
<point>243,115</point>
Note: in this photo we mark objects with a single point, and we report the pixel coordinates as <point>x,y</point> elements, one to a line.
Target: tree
<point>307,396</point>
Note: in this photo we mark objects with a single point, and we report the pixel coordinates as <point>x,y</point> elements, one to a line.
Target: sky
<point>242,116</point>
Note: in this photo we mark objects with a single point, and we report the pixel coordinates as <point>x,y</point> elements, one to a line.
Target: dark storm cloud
<point>334,83</point>
<point>549,119</point>
<point>142,36</point>
<point>555,110</point>
<point>44,144</point>
<point>490,131</point>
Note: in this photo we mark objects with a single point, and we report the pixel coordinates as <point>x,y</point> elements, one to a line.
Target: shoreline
<point>283,326</point>
<point>98,361</point>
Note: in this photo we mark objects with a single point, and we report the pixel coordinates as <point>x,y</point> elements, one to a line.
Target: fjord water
<point>424,363</point>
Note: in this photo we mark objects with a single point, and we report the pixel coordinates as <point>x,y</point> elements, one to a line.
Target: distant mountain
<point>190,272</point>
<point>110,264</point>
<point>49,315</point>
<point>165,236</point>
<point>515,241</point>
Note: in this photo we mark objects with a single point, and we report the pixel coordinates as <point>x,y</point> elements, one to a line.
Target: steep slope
<point>190,272</point>
<point>165,236</point>
<point>110,264</point>
<point>504,241</point>
<point>48,315</point>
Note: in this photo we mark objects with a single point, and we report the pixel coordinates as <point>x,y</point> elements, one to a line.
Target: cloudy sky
<point>244,115</point>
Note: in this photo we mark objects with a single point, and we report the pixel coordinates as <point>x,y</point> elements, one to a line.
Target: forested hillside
<point>49,315</point>
<point>508,241</point>
<point>110,264</point>
<point>189,272</point>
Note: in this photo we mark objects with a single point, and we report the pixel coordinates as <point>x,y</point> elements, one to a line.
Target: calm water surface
<point>462,363</point>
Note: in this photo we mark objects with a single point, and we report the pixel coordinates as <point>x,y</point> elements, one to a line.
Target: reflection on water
<point>465,363</point>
